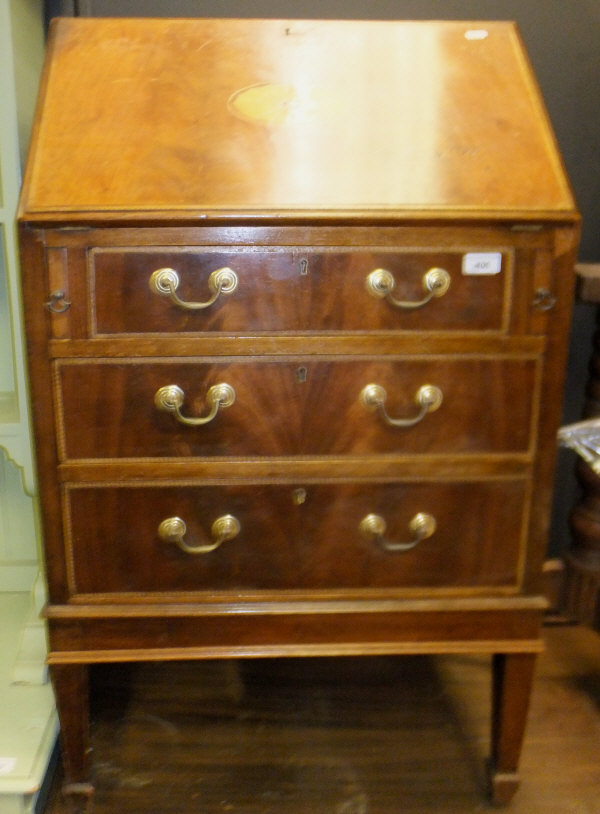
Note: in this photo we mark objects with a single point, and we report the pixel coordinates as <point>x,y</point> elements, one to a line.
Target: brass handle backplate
<point>427,398</point>
<point>170,398</point>
<point>380,283</point>
<point>173,530</point>
<point>165,282</point>
<point>422,526</point>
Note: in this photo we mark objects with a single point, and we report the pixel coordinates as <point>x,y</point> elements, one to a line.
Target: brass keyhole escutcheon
<point>299,496</point>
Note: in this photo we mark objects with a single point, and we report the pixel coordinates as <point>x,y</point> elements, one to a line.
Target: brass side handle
<point>170,398</point>
<point>428,398</point>
<point>165,283</point>
<point>380,283</point>
<point>57,303</point>
<point>173,530</point>
<point>422,526</point>
<point>543,300</point>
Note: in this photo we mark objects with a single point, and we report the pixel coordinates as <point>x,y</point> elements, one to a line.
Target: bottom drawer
<point>285,537</point>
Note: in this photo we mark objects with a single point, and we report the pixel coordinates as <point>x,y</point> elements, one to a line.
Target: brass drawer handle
<point>421,527</point>
<point>173,529</point>
<point>380,283</point>
<point>165,282</point>
<point>427,398</point>
<point>170,399</point>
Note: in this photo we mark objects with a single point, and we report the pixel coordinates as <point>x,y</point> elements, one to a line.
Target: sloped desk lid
<point>267,118</point>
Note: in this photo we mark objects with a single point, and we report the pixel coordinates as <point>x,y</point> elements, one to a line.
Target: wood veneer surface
<point>304,116</point>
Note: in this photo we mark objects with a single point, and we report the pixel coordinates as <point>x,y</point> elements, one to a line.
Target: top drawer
<point>153,290</point>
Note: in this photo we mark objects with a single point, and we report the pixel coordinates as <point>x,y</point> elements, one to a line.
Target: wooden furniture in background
<point>581,597</point>
<point>297,326</point>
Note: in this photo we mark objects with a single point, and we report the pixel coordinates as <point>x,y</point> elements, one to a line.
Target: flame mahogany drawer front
<point>142,408</point>
<point>295,537</point>
<point>134,291</point>
<point>296,367</point>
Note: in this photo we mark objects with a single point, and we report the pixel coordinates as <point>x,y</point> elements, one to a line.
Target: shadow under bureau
<point>297,297</point>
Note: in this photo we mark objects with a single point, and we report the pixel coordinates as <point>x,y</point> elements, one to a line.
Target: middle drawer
<point>132,408</point>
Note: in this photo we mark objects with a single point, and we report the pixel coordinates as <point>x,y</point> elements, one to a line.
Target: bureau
<point>297,298</point>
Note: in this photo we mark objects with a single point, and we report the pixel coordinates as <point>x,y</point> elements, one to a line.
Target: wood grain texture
<point>299,290</point>
<point>189,627</point>
<point>316,544</point>
<point>303,407</point>
<point>422,119</point>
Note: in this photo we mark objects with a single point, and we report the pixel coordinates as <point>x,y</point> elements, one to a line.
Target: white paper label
<point>482,263</point>
<point>7,764</point>
<point>476,34</point>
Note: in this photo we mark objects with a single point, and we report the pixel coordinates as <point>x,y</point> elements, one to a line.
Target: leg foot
<point>79,797</point>
<point>70,682</point>
<point>512,682</point>
<point>503,786</point>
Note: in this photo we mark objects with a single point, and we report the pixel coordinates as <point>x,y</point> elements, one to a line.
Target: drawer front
<point>128,408</point>
<point>292,290</point>
<point>301,536</point>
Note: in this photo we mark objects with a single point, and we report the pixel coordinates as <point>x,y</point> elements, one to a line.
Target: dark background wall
<point>562,38</point>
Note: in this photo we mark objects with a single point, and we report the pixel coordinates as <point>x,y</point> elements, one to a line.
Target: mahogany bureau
<point>297,298</point>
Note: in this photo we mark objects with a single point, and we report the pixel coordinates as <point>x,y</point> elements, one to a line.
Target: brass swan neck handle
<point>422,526</point>
<point>165,282</point>
<point>170,399</point>
<point>173,530</point>
<point>428,398</point>
<point>380,283</point>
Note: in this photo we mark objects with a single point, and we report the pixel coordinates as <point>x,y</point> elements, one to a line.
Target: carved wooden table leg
<point>582,583</point>
<point>582,579</point>
<point>512,675</point>
<point>70,683</point>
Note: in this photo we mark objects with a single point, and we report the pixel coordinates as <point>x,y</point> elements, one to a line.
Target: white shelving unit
<point>28,723</point>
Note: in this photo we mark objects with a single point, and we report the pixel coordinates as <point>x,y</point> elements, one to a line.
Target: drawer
<point>298,536</point>
<point>299,290</point>
<point>128,408</point>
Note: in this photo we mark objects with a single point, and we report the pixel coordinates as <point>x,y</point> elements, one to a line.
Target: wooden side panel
<point>38,329</point>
